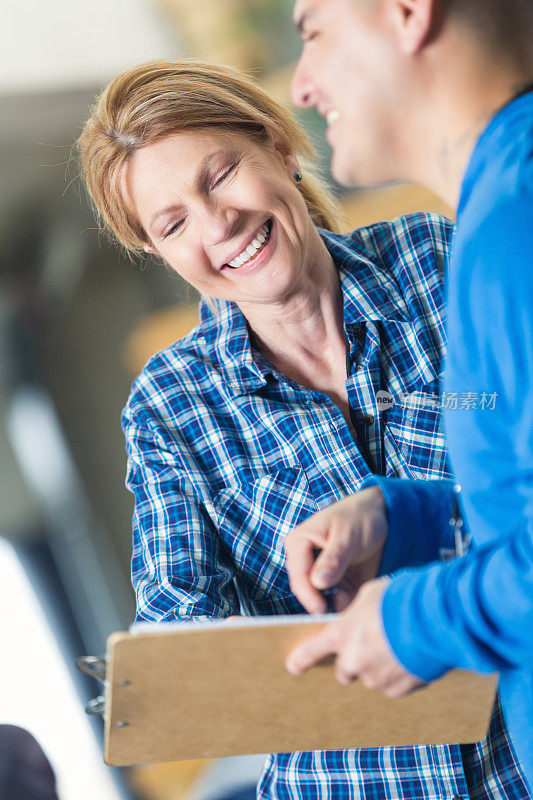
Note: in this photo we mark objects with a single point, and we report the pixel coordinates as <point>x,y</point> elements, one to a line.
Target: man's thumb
<point>330,566</point>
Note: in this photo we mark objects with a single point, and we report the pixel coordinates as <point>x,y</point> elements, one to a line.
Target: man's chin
<point>345,170</point>
<point>349,172</point>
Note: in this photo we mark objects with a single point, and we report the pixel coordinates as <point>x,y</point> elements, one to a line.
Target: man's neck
<point>467,90</point>
<point>456,144</point>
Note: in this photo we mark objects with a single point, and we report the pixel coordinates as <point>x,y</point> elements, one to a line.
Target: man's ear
<point>416,22</point>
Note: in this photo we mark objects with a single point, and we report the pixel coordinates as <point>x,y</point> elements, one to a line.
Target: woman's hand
<point>350,536</point>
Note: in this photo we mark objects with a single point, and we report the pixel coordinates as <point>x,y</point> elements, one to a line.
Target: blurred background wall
<point>77,322</point>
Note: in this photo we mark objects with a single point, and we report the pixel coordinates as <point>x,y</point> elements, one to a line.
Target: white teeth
<point>250,251</point>
<point>332,116</point>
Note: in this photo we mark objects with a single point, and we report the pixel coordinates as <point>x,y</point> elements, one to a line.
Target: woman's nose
<point>302,87</point>
<point>219,223</point>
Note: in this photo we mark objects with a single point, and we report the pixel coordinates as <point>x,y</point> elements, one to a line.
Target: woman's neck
<point>303,332</point>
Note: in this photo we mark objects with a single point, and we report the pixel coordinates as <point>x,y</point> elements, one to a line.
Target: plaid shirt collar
<point>369,295</point>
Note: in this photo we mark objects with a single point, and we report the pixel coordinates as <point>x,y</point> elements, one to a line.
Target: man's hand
<point>350,536</point>
<point>362,649</point>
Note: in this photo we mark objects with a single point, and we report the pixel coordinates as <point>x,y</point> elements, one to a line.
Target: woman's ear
<point>285,152</point>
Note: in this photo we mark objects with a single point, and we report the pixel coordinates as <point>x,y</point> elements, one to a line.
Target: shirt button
<point>368,419</point>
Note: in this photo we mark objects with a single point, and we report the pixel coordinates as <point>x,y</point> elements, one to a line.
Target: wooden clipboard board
<point>186,691</point>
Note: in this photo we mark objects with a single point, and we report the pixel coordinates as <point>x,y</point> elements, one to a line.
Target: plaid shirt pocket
<point>415,444</point>
<point>253,518</point>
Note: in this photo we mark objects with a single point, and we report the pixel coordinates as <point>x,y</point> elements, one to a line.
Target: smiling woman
<point>190,161</point>
<point>269,409</point>
<point>205,199</point>
<point>155,100</point>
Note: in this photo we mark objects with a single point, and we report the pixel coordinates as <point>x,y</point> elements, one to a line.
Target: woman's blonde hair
<point>154,100</point>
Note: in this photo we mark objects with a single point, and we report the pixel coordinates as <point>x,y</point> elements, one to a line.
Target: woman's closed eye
<point>173,228</point>
<point>223,175</point>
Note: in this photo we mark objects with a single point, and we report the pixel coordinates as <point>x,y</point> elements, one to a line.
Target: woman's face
<point>224,212</point>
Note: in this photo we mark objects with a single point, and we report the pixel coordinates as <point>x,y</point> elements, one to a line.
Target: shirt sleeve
<point>419,514</point>
<point>179,568</point>
<point>477,612</point>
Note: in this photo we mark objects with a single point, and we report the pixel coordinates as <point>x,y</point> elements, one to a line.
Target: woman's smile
<point>257,252</point>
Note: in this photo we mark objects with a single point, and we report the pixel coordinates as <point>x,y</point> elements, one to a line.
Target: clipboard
<point>178,691</point>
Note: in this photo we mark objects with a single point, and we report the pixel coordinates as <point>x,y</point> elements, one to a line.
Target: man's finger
<point>403,685</point>
<point>300,560</point>
<point>339,551</point>
<point>346,677</point>
<point>311,651</point>
<point>314,529</point>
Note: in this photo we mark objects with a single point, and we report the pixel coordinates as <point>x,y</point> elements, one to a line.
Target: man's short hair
<point>504,24</point>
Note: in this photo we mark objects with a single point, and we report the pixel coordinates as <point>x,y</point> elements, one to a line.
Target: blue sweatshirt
<point>476,612</point>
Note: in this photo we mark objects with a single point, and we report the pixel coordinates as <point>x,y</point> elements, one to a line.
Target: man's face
<point>349,70</point>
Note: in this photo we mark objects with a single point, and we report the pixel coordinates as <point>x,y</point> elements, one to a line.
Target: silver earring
<point>298,177</point>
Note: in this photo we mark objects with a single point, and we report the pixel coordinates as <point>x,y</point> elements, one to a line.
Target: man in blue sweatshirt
<point>441,92</point>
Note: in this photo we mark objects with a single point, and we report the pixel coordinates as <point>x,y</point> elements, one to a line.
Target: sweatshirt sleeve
<point>475,612</point>
<point>419,514</point>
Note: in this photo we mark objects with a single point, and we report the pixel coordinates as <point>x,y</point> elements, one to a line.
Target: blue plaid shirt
<point>226,455</point>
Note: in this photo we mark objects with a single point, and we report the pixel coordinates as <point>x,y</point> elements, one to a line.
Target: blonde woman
<point>270,409</point>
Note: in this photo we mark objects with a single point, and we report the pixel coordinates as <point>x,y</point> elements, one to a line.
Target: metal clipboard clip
<point>95,666</point>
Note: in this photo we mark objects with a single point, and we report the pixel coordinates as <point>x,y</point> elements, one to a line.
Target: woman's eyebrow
<point>162,213</point>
